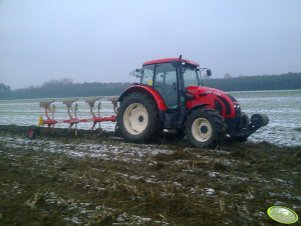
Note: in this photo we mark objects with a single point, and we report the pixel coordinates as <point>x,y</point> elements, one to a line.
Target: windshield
<point>190,75</point>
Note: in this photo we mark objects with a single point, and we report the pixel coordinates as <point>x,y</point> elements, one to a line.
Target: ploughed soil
<point>99,179</point>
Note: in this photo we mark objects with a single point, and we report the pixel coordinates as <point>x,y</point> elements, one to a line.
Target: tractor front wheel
<point>205,128</point>
<point>138,118</point>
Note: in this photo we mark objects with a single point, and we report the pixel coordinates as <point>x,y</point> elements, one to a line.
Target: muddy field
<point>101,180</point>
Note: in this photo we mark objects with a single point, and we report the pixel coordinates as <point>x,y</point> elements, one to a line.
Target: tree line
<point>255,83</point>
<point>66,88</point>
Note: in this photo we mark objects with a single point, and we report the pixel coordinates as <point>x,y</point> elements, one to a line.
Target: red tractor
<point>170,97</point>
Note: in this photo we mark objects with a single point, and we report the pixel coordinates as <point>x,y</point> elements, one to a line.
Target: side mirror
<point>136,73</point>
<point>208,72</point>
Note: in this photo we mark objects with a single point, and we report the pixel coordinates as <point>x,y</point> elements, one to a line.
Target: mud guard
<point>148,90</point>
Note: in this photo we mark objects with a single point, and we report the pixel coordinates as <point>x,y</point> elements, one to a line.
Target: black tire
<point>138,118</point>
<point>205,128</point>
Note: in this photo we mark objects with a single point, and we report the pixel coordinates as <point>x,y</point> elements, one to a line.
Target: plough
<point>72,108</point>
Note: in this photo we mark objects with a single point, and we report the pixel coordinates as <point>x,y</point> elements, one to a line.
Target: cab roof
<point>168,60</point>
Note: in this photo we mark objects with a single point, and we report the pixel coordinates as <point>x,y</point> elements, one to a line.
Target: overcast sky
<point>102,41</point>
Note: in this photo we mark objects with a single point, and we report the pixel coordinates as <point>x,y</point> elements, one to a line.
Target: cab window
<point>190,76</point>
<point>148,75</point>
<point>165,74</point>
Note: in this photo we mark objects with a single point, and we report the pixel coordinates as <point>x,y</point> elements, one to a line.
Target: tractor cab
<point>170,77</point>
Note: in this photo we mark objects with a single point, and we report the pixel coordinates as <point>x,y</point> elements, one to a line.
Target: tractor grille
<point>227,105</point>
<point>232,98</point>
<point>218,107</point>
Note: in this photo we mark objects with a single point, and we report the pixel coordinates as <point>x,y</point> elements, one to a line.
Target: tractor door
<point>165,81</point>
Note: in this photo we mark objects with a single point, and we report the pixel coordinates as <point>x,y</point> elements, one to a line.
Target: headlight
<point>237,109</point>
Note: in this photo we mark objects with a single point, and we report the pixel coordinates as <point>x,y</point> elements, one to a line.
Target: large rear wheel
<point>205,128</point>
<point>138,118</point>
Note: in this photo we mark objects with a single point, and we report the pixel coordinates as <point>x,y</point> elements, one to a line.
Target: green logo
<point>282,214</point>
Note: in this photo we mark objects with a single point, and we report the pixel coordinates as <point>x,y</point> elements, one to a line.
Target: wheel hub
<point>201,129</point>
<point>204,129</point>
<point>140,118</point>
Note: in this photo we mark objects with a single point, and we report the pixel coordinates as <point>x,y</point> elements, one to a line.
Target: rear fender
<point>148,90</point>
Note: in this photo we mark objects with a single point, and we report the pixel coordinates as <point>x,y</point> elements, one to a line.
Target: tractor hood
<point>238,123</point>
<point>204,90</point>
<point>213,98</point>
